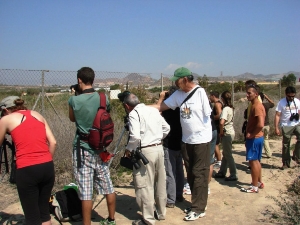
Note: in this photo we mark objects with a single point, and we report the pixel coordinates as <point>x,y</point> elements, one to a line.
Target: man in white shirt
<point>147,128</point>
<point>287,116</point>
<point>196,136</point>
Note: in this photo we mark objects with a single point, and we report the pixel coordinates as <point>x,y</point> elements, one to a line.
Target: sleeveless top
<point>30,141</point>
<point>217,122</point>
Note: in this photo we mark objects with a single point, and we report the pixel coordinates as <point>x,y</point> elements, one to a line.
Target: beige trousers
<point>150,184</point>
<point>266,130</point>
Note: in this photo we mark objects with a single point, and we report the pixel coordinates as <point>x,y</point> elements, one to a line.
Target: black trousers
<point>34,184</point>
<point>197,163</point>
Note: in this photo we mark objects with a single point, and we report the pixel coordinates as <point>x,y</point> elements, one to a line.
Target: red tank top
<point>30,141</point>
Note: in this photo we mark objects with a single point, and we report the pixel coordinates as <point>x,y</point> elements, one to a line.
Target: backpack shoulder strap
<point>102,100</point>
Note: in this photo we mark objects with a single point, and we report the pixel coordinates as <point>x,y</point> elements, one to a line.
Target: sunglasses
<point>252,86</point>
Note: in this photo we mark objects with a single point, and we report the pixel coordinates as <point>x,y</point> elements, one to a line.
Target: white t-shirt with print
<point>227,115</point>
<point>194,115</point>
<point>286,109</point>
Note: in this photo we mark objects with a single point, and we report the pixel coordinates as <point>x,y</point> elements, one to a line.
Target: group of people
<point>185,125</point>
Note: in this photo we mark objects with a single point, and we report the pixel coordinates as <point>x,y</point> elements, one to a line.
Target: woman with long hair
<point>227,135</point>
<point>35,146</point>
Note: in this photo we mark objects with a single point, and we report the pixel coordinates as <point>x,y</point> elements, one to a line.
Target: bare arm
<point>161,97</point>
<point>268,99</point>
<point>218,107</point>
<point>222,122</point>
<point>50,138</point>
<point>71,114</point>
<point>276,123</point>
<point>161,107</point>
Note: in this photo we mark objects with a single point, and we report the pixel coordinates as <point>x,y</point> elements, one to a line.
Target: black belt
<point>151,145</point>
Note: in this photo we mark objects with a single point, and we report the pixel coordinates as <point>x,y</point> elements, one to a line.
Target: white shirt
<point>284,108</point>
<point>146,124</point>
<point>194,115</point>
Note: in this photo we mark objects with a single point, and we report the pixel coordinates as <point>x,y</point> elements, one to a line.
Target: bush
<point>289,205</point>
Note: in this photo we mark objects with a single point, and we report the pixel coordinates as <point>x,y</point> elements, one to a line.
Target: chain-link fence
<point>48,92</point>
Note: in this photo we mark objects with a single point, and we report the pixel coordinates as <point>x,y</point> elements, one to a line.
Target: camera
<point>136,156</point>
<point>75,87</point>
<point>167,95</point>
<point>121,96</point>
<point>294,116</point>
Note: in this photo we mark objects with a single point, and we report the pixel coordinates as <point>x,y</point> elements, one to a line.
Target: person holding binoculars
<point>287,117</point>
<point>147,128</point>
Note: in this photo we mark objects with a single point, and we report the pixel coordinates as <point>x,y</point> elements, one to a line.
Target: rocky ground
<point>226,203</point>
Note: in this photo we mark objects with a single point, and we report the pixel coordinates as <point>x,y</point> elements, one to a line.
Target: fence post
<point>43,91</point>
<point>279,88</point>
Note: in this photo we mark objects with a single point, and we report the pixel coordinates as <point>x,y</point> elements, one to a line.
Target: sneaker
<point>187,190</point>
<point>249,190</point>
<point>284,167</point>
<point>170,205</point>
<point>219,175</point>
<point>189,209</point>
<point>231,178</point>
<point>193,216</point>
<point>107,222</point>
<point>217,166</point>
<point>260,185</point>
<point>139,222</point>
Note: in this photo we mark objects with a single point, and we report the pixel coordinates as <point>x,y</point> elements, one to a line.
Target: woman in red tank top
<point>35,146</point>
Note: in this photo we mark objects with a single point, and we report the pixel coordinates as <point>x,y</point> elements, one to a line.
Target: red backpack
<point>101,133</point>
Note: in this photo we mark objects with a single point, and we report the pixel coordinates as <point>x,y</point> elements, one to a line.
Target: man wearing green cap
<point>196,136</point>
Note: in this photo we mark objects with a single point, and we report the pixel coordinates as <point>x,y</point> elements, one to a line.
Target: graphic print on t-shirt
<point>186,112</point>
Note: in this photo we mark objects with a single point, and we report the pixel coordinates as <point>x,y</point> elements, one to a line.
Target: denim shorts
<point>94,173</point>
<point>254,148</point>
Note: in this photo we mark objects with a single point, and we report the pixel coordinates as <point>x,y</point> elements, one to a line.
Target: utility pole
<point>162,82</point>
<point>232,88</point>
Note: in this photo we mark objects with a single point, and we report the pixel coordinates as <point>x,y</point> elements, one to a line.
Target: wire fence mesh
<point>48,92</point>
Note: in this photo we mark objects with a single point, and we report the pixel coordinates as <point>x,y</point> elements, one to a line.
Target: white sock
<point>255,188</point>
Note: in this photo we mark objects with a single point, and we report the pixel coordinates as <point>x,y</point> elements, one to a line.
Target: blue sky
<point>152,36</point>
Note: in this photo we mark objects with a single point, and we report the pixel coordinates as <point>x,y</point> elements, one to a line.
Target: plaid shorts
<point>93,173</point>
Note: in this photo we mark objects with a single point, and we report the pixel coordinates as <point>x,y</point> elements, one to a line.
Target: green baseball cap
<point>180,72</point>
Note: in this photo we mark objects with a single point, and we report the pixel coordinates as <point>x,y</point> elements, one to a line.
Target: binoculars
<point>138,155</point>
<point>294,116</point>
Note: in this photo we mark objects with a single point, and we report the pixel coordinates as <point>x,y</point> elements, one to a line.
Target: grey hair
<point>131,100</point>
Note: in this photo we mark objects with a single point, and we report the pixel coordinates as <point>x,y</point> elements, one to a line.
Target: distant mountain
<point>135,79</point>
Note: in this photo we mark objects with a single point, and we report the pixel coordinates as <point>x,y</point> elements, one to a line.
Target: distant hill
<point>136,79</point>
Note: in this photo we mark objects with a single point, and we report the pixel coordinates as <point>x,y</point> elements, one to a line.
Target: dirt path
<point>226,203</point>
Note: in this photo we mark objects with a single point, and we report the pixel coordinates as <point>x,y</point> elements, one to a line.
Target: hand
<point>277,131</point>
<point>221,135</point>
<point>248,136</point>
<point>127,153</point>
<point>162,94</point>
